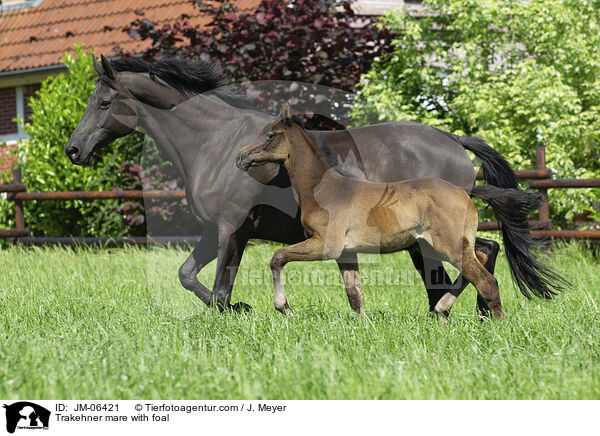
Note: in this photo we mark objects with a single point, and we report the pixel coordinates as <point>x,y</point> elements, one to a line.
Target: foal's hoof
<point>241,307</point>
<point>286,310</point>
<point>442,316</point>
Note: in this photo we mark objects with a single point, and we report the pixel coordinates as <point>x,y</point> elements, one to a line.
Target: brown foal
<point>347,215</point>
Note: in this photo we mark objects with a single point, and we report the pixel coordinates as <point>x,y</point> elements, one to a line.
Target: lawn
<point>115,323</point>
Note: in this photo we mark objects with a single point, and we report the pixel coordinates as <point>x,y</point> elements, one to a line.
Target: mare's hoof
<point>485,316</point>
<point>241,307</point>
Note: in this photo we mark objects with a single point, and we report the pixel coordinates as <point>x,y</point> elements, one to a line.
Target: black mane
<point>187,77</point>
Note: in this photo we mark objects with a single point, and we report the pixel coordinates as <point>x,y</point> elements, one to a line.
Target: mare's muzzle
<point>76,155</point>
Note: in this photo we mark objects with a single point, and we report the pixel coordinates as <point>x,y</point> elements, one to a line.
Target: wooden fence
<point>539,178</point>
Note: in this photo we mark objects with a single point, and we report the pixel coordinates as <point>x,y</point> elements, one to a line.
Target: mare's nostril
<point>73,151</point>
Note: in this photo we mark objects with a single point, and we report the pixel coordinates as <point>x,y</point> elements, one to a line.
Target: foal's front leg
<point>311,249</point>
<point>348,265</point>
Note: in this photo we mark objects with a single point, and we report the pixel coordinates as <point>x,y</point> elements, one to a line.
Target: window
<point>14,104</point>
<point>17,4</point>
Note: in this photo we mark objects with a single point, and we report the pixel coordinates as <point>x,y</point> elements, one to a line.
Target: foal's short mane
<point>187,77</point>
<point>331,160</point>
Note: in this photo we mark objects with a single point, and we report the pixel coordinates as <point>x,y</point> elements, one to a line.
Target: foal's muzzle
<point>243,161</point>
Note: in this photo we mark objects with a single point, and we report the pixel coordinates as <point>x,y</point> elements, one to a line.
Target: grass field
<point>115,323</point>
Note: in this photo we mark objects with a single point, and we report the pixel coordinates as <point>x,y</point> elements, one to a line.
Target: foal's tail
<point>511,206</point>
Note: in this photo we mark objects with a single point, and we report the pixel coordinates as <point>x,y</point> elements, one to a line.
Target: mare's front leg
<point>204,253</point>
<point>348,265</point>
<point>311,249</point>
<point>231,249</point>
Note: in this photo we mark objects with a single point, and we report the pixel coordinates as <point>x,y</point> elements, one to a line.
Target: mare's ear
<point>97,65</point>
<point>106,67</point>
<point>286,115</point>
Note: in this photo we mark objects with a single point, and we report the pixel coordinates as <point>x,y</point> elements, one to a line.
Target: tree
<point>320,42</point>
<point>518,74</point>
<point>315,41</point>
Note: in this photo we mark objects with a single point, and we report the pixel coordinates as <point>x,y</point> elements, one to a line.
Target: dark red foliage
<point>314,41</point>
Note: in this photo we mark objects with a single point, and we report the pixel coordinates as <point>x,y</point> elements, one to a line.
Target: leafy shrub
<point>518,74</point>
<point>56,110</point>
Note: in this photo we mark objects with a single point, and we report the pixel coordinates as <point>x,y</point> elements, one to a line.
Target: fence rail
<point>539,178</point>
<point>95,195</point>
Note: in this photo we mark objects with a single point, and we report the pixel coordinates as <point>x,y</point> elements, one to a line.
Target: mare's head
<point>101,123</point>
<point>123,85</point>
<point>272,145</point>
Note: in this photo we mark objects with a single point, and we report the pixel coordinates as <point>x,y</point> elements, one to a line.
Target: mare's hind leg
<point>311,249</point>
<point>348,265</point>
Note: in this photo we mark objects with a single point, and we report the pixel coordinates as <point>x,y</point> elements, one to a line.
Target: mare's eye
<point>104,104</point>
<point>270,135</point>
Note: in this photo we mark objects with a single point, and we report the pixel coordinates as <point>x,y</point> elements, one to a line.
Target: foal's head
<point>271,145</point>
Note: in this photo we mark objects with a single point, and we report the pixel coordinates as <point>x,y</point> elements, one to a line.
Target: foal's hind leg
<point>484,281</point>
<point>445,303</point>
<point>486,251</point>
<point>311,249</point>
<point>490,249</point>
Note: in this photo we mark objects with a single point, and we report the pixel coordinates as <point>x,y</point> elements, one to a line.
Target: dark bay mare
<point>200,129</point>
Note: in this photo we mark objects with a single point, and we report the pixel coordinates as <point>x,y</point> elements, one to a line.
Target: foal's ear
<point>97,65</point>
<point>286,115</point>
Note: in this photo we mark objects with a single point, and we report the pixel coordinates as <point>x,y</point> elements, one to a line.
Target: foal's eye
<point>270,135</point>
<point>104,104</point>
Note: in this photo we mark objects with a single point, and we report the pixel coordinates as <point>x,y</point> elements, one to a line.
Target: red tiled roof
<point>38,36</point>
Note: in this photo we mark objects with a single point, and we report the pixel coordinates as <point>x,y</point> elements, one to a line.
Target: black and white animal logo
<point>26,415</point>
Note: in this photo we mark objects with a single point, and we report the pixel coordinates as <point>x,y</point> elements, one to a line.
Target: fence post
<point>540,164</point>
<point>19,216</point>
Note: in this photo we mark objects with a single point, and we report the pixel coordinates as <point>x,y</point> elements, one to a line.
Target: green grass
<point>115,323</point>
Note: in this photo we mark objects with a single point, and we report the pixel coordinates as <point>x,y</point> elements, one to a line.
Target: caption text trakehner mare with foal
<point>201,128</point>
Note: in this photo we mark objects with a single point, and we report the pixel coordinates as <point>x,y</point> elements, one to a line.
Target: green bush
<point>518,74</point>
<point>56,110</point>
